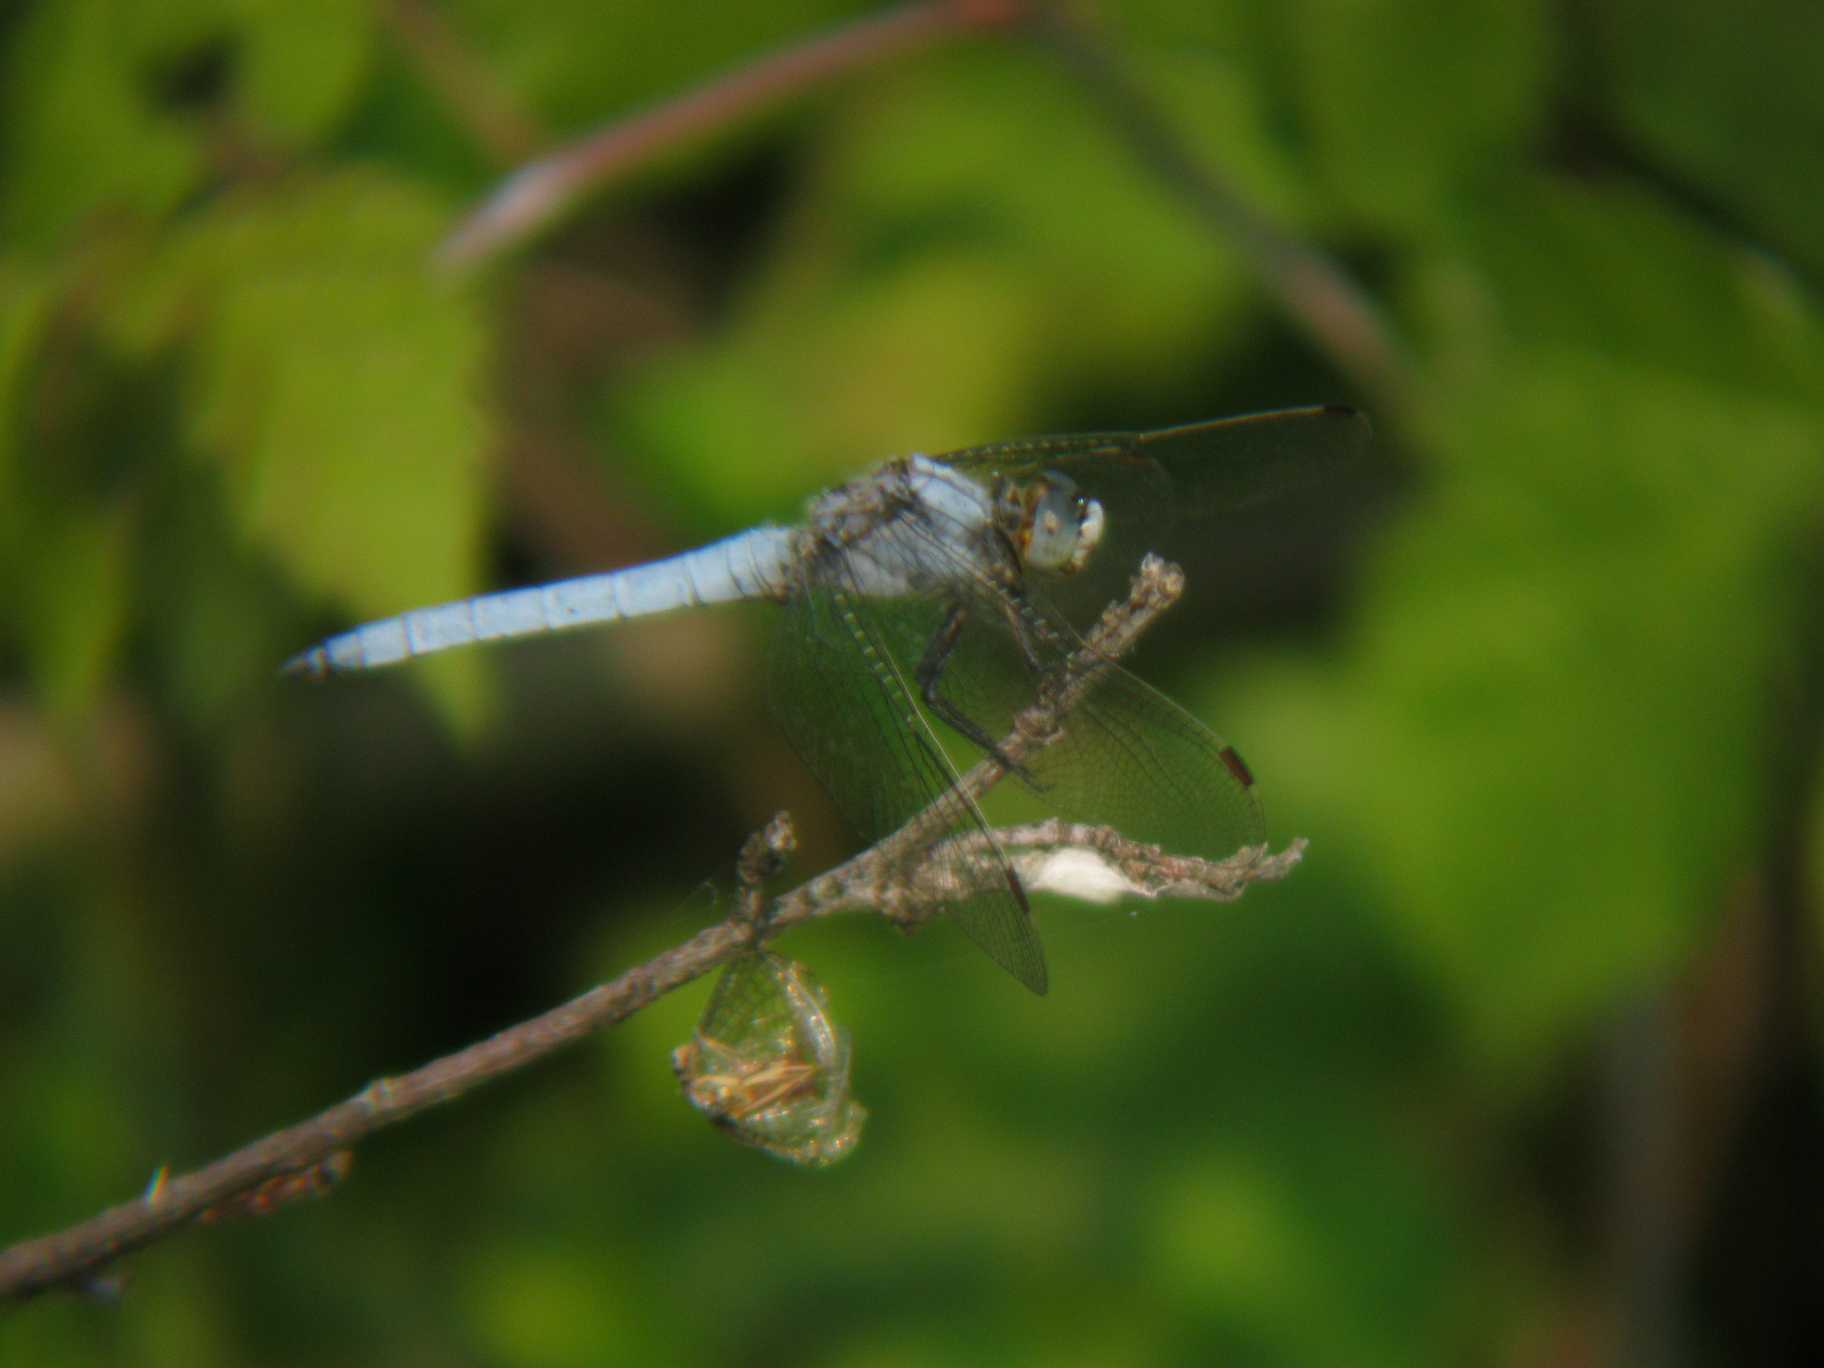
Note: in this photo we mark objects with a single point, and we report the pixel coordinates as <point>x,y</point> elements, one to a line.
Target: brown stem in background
<point>540,192</point>
<point>494,119</point>
<point>1314,290</point>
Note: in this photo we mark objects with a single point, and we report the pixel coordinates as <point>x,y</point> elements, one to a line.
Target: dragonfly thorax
<point>908,527</point>
<point>1053,526</point>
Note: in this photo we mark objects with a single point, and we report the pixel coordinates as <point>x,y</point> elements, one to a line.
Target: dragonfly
<point>928,599</point>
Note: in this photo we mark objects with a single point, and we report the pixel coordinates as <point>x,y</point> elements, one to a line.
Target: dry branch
<point>909,876</point>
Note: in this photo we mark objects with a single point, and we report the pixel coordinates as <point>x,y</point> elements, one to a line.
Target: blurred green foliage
<point>1550,714</point>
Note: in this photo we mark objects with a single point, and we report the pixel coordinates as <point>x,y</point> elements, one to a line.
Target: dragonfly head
<point>1053,525</point>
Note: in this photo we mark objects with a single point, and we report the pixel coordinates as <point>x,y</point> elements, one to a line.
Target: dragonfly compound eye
<point>1063,528</point>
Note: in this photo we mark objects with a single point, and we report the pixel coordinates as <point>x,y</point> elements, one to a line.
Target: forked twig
<point>908,876</point>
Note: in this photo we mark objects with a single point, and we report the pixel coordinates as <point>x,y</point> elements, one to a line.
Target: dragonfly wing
<point>840,677</point>
<point>1165,491</point>
<point>1128,757</point>
<point>1210,465</point>
<point>1132,759</point>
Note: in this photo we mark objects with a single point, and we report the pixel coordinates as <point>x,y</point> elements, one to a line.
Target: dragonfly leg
<point>930,672</point>
<point>1020,626</point>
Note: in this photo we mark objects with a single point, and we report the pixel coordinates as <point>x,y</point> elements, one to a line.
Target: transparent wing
<point>1187,492</point>
<point>1195,468</point>
<point>1128,758</point>
<point>840,676</point>
<point>1134,760</point>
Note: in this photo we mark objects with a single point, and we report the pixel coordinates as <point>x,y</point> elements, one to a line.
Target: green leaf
<point>1726,96</point>
<point>1616,270</point>
<point>96,114</point>
<point>65,545</point>
<point>299,67</point>
<point>332,387</point>
<point>78,132</point>
<point>25,298</point>
<point>1307,1237</point>
<point>75,607</point>
<point>1407,101</point>
<point>1002,154</point>
<point>1552,733</point>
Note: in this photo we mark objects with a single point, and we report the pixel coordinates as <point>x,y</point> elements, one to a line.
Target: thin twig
<point>504,130</point>
<point>1098,864</point>
<point>910,875</point>
<point>762,857</point>
<point>73,1256</point>
<point>1316,292</point>
<point>542,191</point>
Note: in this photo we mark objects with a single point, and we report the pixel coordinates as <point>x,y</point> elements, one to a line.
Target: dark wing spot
<point>1237,766</point>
